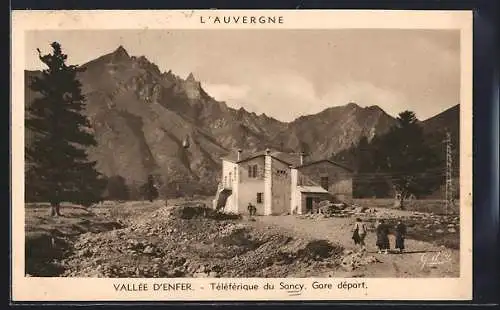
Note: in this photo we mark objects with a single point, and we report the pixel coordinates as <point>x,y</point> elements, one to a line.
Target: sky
<point>289,73</point>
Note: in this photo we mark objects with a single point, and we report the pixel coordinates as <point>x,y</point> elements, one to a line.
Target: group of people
<point>382,231</point>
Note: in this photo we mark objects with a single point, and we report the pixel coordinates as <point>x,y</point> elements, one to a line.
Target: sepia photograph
<point>242,153</point>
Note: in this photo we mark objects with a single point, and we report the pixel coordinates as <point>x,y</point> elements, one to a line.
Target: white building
<point>279,183</point>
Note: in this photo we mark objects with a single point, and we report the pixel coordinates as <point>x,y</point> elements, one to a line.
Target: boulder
<point>148,250</point>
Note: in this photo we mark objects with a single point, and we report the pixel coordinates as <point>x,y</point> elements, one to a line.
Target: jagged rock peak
<point>240,113</point>
<point>191,77</point>
<point>121,52</point>
<point>168,75</point>
<point>375,108</point>
<point>352,105</point>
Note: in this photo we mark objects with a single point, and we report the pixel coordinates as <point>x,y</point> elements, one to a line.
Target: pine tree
<point>117,188</point>
<point>59,166</point>
<point>408,157</point>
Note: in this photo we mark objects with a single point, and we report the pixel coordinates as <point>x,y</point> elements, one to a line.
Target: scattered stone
<point>347,252</point>
<point>200,275</point>
<point>177,244</point>
<point>213,274</point>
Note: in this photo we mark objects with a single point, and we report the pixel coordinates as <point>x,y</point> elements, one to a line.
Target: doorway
<point>309,204</point>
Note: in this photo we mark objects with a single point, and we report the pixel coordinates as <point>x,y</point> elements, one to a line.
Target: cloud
<point>283,96</point>
<point>226,92</point>
<point>286,96</point>
<point>367,94</point>
<point>290,73</point>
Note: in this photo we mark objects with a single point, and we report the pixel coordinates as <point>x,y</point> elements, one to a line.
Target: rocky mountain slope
<point>435,129</point>
<point>141,116</point>
<point>337,128</point>
<point>448,120</point>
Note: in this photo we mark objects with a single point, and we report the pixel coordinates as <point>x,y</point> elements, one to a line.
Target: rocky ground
<point>184,239</point>
<point>432,246</point>
<point>434,225</point>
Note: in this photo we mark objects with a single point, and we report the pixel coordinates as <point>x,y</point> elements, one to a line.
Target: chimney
<point>239,154</point>
<point>268,180</point>
<point>301,158</point>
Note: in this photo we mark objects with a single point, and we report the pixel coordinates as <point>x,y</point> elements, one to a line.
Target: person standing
<point>251,209</point>
<point>382,237</point>
<point>359,233</point>
<point>400,236</point>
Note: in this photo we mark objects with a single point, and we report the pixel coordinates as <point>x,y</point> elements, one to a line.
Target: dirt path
<point>422,259</point>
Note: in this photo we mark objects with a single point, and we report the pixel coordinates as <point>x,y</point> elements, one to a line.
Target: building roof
<point>312,189</point>
<point>323,160</point>
<point>287,158</point>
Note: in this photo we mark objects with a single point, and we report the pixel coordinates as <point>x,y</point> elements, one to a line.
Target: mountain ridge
<point>141,117</point>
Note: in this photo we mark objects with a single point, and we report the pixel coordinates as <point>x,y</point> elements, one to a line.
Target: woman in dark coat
<point>382,237</point>
<point>359,233</point>
<point>400,236</point>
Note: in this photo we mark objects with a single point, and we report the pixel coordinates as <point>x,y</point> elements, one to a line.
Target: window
<point>259,197</point>
<point>225,181</point>
<point>324,182</point>
<point>230,178</point>
<point>252,171</point>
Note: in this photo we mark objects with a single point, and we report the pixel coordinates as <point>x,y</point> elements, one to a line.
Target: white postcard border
<point>93,289</point>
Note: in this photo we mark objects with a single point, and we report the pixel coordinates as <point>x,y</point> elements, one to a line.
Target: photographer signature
<point>434,259</point>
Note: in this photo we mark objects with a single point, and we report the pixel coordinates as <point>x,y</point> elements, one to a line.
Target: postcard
<point>225,155</point>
